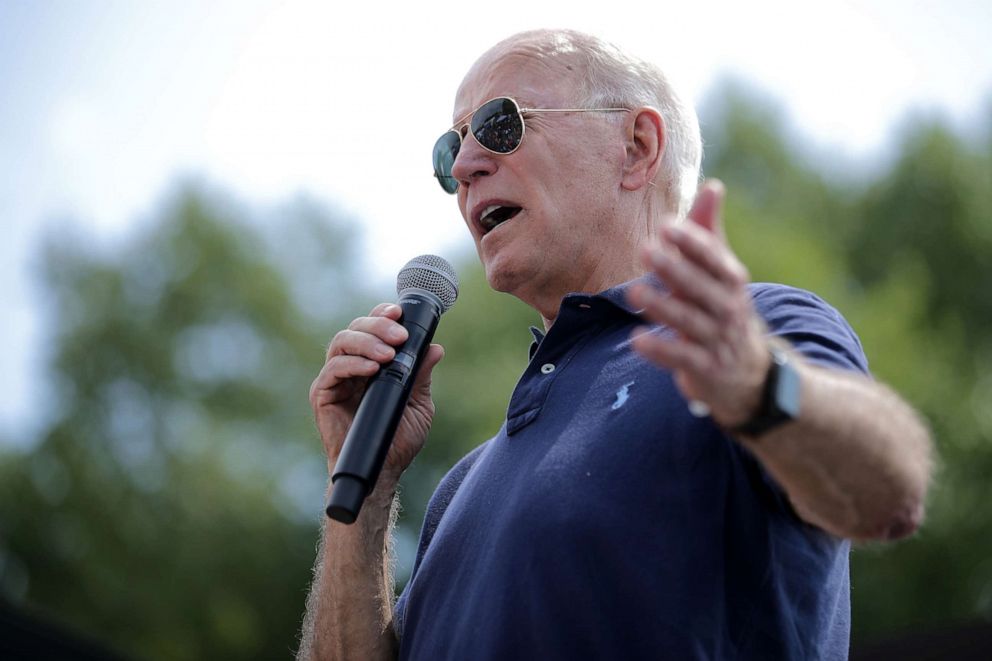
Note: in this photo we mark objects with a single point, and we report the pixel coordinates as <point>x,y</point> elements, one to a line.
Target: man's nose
<point>473,162</point>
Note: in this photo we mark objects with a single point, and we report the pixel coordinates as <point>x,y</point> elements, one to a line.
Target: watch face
<point>787,391</point>
<point>780,402</point>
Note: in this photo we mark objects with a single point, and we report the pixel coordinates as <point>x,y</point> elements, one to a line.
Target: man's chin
<point>502,277</point>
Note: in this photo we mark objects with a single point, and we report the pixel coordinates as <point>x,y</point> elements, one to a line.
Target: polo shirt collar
<point>615,297</point>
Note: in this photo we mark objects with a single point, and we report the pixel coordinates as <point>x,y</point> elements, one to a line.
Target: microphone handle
<point>371,433</point>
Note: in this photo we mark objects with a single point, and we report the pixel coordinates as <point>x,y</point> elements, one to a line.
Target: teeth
<point>488,210</point>
<point>496,214</point>
<point>485,218</point>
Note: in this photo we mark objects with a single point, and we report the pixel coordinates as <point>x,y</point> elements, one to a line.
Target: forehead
<point>533,80</point>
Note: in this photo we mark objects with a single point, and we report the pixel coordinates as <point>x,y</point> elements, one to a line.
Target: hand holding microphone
<point>391,346</point>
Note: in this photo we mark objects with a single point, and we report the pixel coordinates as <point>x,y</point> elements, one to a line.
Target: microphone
<point>427,287</point>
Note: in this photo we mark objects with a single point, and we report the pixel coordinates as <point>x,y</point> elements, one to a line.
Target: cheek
<point>462,202</point>
<point>598,165</point>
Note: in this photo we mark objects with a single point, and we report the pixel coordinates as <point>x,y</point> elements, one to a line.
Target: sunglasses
<point>497,125</point>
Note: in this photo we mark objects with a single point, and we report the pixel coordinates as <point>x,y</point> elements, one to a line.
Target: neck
<point>547,300</point>
<point>606,269</point>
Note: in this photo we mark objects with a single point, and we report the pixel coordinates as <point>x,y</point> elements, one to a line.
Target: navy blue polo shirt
<point>604,521</point>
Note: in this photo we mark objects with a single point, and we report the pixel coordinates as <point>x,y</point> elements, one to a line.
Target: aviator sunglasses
<point>498,125</point>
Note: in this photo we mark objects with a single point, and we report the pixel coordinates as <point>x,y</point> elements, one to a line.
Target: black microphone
<point>427,287</point>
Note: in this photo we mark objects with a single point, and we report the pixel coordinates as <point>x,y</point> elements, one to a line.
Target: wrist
<point>385,490</point>
<point>379,498</point>
<point>750,392</point>
<point>778,397</point>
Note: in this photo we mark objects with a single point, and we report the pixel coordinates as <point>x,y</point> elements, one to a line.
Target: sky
<point>105,105</point>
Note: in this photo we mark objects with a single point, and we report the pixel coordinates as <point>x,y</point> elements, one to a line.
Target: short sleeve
<point>823,337</point>
<point>811,325</point>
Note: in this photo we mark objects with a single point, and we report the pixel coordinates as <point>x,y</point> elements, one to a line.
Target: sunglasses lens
<point>498,126</point>
<point>445,150</point>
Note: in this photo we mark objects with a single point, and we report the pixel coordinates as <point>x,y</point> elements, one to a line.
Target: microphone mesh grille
<point>430,273</point>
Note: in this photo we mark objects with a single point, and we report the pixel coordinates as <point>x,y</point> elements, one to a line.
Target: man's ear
<point>645,137</point>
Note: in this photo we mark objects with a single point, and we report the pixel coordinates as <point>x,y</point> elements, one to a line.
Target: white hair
<point>612,78</point>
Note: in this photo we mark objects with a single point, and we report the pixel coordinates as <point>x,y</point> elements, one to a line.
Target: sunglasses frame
<point>466,120</point>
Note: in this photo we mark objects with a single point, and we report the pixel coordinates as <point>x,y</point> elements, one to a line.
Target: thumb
<point>707,209</point>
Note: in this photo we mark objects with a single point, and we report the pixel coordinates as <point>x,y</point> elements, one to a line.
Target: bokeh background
<point>195,197</point>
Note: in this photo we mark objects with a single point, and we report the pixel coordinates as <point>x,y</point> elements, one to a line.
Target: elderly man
<point>686,455</point>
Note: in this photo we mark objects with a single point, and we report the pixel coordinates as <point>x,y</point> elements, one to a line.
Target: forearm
<point>350,605</point>
<point>856,462</point>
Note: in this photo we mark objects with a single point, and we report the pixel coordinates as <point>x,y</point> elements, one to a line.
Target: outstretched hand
<point>718,353</point>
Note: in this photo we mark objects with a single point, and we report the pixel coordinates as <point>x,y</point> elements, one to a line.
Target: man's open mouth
<point>495,214</point>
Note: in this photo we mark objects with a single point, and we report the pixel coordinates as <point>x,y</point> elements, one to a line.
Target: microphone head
<point>432,274</point>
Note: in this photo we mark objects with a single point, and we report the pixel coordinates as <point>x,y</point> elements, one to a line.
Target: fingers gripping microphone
<point>427,287</point>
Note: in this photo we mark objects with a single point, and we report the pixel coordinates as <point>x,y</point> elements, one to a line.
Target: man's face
<point>560,187</point>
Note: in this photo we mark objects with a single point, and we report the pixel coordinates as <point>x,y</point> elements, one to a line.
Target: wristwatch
<point>779,398</point>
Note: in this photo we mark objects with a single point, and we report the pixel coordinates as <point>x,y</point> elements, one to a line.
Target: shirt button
<point>547,368</point>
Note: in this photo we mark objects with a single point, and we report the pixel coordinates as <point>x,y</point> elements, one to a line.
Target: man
<point>686,454</point>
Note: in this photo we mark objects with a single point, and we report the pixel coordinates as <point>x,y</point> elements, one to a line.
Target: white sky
<point>104,104</point>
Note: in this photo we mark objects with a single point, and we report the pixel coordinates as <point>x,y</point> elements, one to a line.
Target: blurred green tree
<point>922,235</point>
<point>170,506</point>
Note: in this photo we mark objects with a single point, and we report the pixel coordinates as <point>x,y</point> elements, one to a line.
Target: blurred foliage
<point>169,506</point>
<point>172,503</point>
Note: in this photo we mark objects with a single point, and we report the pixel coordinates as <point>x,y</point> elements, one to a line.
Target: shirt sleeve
<point>811,325</point>
<point>823,337</point>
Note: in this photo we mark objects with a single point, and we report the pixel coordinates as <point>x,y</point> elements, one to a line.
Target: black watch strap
<point>779,398</point>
